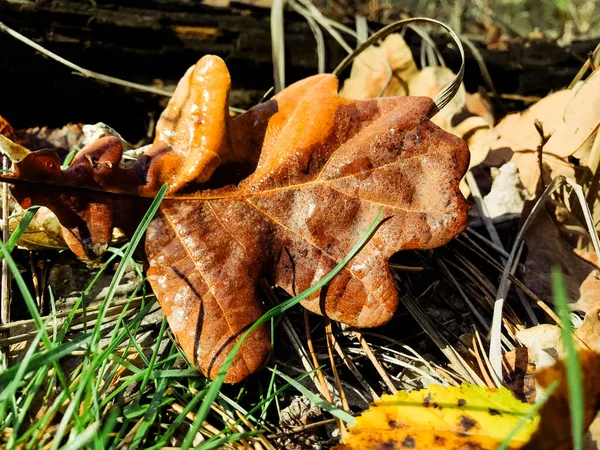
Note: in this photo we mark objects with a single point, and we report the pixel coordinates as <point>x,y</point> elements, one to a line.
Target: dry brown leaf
<point>381,71</point>
<point>480,106</point>
<point>62,139</point>
<point>569,117</point>
<point>429,82</point>
<point>554,431</point>
<point>43,232</point>
<point>6,129</point>
<point>518,139</point>
<point>544,342</point>
<point>373,69</point>
<point>311,172</point>
<point>582,117</point>
<point>547,248</point>
<point>518,368</point>
<point>589,331</point>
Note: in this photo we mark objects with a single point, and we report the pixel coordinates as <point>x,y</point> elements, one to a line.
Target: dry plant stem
<point>129,436</point>
<point>178,409</point>
<point>446,376</point>
<point>497,382</point>
<point>30,335</point>
<point>416,356</point>
<point>589,221</point>
<point>301,351</point>
<point>474,310</point>
<point>330,345</point>
<point>491,229</point>
<point>311,350</point>
<point>589,63</point>
<point>80,70</point>
<point>316,30</point>
<point>516,97</point>
<point>590,178</point>
<point>115,308</point>
<point>483,212</point>
<point>352,367</point>
<point>458,363</point>
<point>503,288</point>
<point>91,74</point>
<point>338,383</point>
<point>261,437</point>
<point>382,373</point>
<point>278,44</point>
<point>362,28</point>
<point>540,151</point>
<point>293,337</point>
<point>433,53</point>
<point>484,240</point>
<point>528,292</point>
<point>406,268</point>
<point>229,421</point>
<point>477,355</point>
<point>408,366</point>
<point>449,91</point>
<point>328,24</point>
<point>5,289</point>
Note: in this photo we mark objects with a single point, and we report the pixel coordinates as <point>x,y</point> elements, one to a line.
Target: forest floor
<point>89,359</point>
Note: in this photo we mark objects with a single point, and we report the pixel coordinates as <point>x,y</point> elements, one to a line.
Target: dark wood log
<point>155,41</point>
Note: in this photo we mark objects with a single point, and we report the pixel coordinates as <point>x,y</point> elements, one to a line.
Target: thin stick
<point>488,365</point>
<point>489,225</point>
<point>251,427</point>
<point>80,70</point>
<point>483,212</point>
<point>382,373</point>
<point>352,367</point>
<point>90,73</point>
<point>336,377</point>
<point>477,355</point>
<point>311,350</point>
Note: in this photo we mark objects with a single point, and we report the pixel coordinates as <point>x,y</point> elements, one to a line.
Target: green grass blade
<point>30,395</point>
<point>96,333</point>
<point>135,240</point>
<point>69,158</point>
<point>46,358</point>
<point>81,440</point>
<point>573,368</point>
<point>219,443</point>
<point>12,387</point>
<point>215,386</point>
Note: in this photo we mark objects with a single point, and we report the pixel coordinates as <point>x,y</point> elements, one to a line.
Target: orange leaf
<point>283,191</point>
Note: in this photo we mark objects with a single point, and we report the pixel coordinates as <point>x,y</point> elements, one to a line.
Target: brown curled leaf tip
<point>283,191</point>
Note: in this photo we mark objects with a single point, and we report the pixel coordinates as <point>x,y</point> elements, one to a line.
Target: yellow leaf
<point>442,418</point>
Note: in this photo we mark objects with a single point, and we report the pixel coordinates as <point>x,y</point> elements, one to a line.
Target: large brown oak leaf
<point>283,191</point>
